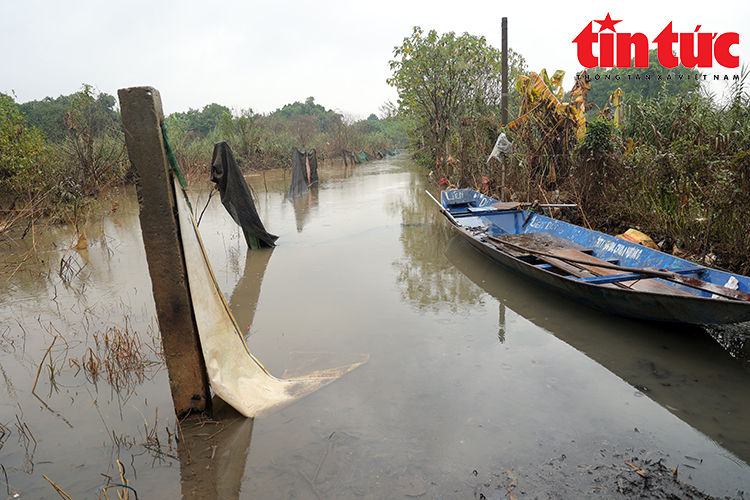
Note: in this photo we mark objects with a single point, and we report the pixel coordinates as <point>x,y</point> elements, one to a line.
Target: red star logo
<point>607,24</point>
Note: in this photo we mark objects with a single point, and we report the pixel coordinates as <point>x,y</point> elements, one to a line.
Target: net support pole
<point>142,118</point>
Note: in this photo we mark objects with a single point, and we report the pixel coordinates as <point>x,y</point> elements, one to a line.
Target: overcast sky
<point>263,55</point>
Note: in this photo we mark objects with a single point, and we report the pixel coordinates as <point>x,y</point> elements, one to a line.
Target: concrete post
<point>142,118</point>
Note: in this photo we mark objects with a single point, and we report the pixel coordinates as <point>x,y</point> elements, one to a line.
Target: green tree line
<point>645,83</point>
<point>265,141</point>
<point>65,151</point>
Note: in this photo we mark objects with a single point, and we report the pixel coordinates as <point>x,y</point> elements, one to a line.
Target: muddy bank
<point>348,464</point>
<point>611,476</point>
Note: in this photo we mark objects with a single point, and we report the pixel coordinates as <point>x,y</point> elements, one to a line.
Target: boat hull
<point>672,303</point>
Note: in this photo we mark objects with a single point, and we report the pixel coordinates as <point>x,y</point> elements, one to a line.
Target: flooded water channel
<point>475,378</point>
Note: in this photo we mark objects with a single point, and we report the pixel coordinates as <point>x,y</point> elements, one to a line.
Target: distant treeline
<point>264,142</point>
<point>57,154</point>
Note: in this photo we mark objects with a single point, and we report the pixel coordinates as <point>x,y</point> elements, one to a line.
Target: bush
<point>21,147</point>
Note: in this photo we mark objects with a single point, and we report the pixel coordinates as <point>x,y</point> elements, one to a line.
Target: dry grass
<point>120,358</point>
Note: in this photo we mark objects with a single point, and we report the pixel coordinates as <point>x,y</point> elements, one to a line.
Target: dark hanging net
<point>304,172</point>
<point>349,156</point>
<point>365,156</point>
<point>236,197</point>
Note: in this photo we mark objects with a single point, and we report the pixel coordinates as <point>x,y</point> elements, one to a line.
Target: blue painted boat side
<point>700,308</point>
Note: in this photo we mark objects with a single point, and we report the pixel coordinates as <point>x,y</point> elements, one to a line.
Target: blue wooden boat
<point>598,270</point>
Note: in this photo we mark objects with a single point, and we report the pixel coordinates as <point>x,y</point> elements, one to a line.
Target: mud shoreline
<point>617,476</point>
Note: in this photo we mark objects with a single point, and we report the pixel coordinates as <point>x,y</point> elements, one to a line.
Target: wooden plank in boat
<point>591,269</point>
<point>506,205</point>
<point>540,242</point>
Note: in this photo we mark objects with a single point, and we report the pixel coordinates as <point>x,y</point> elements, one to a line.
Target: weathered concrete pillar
<point>142,118</point>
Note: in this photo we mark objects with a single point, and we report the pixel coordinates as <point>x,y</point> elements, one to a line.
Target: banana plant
<point>547,126</point>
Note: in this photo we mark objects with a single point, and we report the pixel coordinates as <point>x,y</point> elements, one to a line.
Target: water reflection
<point>420,271</point>
<point>45,258</point>
<point>213,454</point>
<point>244,298</point>
<point>679,367</point>
<point>304,205</point>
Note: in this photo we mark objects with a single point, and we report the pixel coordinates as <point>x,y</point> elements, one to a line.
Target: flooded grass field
<point>478,385</point>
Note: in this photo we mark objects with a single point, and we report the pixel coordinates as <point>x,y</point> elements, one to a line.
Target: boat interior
<point>527,237</point>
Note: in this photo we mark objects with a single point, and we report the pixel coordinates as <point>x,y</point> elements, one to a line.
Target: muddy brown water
<point>474,374</point>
